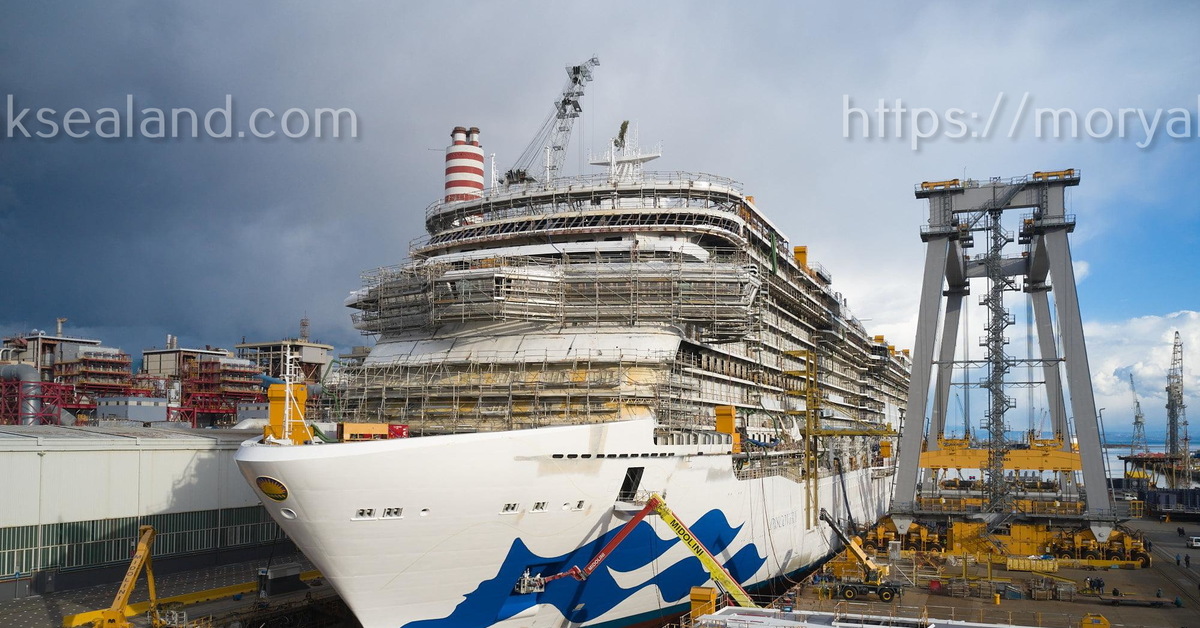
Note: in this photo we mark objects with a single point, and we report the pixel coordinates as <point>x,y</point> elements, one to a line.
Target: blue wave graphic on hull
<point>495,600</point>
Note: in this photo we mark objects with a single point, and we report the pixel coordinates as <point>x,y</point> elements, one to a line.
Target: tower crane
<point>550,142</point>
<point>1175,407</point>
<point>1139,423</point>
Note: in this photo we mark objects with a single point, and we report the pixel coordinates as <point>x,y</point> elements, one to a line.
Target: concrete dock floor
<point>1164,574</point>
<point>47,610</point>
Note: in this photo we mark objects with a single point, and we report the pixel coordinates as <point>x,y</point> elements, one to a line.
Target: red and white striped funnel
<point>464,165</point>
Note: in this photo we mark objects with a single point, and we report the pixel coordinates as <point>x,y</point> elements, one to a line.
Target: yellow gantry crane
<point>656,504</point>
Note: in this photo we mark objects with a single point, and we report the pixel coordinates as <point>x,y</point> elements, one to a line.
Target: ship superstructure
<point>598,298</point>
<point>561,348</point>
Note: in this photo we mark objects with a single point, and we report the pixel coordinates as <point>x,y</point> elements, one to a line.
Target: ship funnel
<point>464,165</point>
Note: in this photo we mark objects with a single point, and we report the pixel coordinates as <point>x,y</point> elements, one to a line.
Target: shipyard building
<point>76,496</point>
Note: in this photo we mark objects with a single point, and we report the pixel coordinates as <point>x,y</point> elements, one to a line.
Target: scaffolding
<point>485,394</point>
<point>216,386</point>
<point>469,329</point>
<point>97,372</point>
<point>715,295</point>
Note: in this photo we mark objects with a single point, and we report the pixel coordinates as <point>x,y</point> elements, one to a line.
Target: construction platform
<point>48,610</point>
<point>1138,602</point>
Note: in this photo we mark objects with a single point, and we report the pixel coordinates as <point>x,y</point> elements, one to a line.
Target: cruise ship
<point>555,351</point>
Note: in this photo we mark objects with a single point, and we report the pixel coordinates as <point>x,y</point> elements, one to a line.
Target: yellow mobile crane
<point>114,616</point>
<point>873,573</point>
<point>656,504</point>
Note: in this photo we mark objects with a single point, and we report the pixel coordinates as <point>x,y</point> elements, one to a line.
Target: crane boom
<point>871,570</point>
<point>115,614</point>
<point>656,504</point>
<point>555,133</point>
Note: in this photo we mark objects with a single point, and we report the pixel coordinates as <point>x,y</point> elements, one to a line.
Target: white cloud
<point>1141,346</point>
<point>1082,269</point>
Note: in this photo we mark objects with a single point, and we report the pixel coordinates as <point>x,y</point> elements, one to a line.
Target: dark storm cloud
<point>216,239</point>
<point>210,238</point>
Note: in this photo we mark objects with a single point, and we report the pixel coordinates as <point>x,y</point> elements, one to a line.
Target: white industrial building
<point>75,496</point>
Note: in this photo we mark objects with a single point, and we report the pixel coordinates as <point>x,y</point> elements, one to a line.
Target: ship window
<point>393,513</point>
<point>364,513</point>
<point>633,479</point>
<point>557,456</point>
<point>572,455</point>
<point>539,507</point>
<point>579,505</point>
<point>509,508</point>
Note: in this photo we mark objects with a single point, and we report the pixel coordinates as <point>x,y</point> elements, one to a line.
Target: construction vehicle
<point>919,538</point>
<point>537,583</point>
<point>873,578</point>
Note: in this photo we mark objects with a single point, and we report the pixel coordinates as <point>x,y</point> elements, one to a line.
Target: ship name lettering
<point>782,521</point>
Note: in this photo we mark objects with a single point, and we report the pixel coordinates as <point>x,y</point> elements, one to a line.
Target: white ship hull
<point>435,531</point>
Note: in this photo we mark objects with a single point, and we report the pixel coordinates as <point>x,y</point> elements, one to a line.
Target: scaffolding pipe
<point>31,387</point>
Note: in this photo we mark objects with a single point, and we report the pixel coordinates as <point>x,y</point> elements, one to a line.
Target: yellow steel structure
<point>812,417</point>
<point>286,414</point>
<point>115,615</point>
<point>1043,454</point>
<point>727,424</point>
<point>137,608</point>
<point>703,601</point>
<point>714,569</point>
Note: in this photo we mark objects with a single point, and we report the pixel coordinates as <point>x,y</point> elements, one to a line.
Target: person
<point>1116,592</point>
<point>1178,602</point>
<point>1187,560</point>
<point>1158,593</point>
<point>1178,558</point>
<point>1149,545</point>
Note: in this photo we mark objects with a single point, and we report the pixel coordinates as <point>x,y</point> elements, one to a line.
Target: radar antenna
<point>552,139</point>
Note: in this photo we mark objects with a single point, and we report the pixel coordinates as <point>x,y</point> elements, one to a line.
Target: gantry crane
<point>549,145</point>
<point>537,583</point>
<point>1011,488</point>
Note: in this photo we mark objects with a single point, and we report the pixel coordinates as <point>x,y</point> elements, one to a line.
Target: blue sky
<point>216,240</point>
